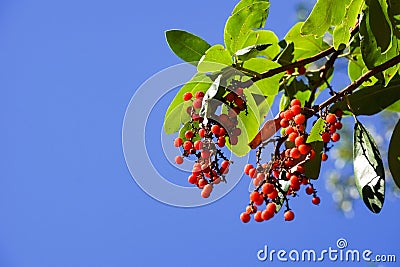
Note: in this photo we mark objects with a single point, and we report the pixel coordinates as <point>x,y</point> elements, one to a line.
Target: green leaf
<point>214,59</point>
<point>172,119</point>
<point>324,14</point>
<point>316,130</point>
<point>245,3</point>
<point>313,166</point>
<point>394,16</point>
<point>286,56</point>
<point>395,107</point>
<point>356,68</point>
<point>371,100</point>
<point>187,46</point>
<point>304,46</point>
<point>394,154</point>
<point>373,47</point>
<point>240,24</point>
<point>379,24</point>
<point>368,169</point>
<point>341,34</point>
<point>263,37</point>
<point>268,86</point>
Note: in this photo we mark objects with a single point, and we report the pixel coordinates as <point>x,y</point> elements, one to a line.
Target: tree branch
<point>354,85</point>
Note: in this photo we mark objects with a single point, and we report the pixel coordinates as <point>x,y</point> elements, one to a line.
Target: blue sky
<point>68,70</point>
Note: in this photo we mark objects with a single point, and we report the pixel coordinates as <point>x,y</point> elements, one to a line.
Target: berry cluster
<point>301,70</point>
<point>284,175</point>
<point>204,141</point>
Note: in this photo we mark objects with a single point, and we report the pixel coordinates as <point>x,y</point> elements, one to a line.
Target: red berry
<point>294,181</point>
<point>338,125</point>
<point>187,145</point>
<point>324,157</point>
<point>199,94</point>
<point>247,168</point>
<point>178,159</point>
<point>295,153</point>
<point>309,190</point>
<point>230,97</point>
<point>268,188</point>
<point>221,141</point>
<point>304,149</point>
<point>299,140</point>
<point>222,131</point>
<point>189,134</point>
<point>187,96</point>
<point>198,145</point>
<point>292,137</point>
<point>233,140</point>
<point>251,209</point>
<point>326,137</point>
<point>296,109</point>
<point>205,193</point>
<point>271,207</point>
<point>295,102</point>
<point>284,123</point>
<point>225,164</point>
<point>289,130</point>
<point>289,71</point>
<point>299,119</point>
<point>312,154</point>
<point>288,115</point>
<point>236,132</point>
<point>302,70</point>
<point>339,113</point>
<point>178,142</point>
<point>273,194</point>
<point>316,200</point>
<point>332,129</point>
<point>253,173</point>
<point>202,182</point>
<point>255,196</point>
<point>289,215</point>
<point>192,179</point>
<point>245,217</point>
<point>197,103</point>
<point>239,101</point>
<point>202,132</point>
<point>330,118</point>
<point>266,215</point>
<point>335,137</point>
<point>258,216</point>
<point>215,129</point>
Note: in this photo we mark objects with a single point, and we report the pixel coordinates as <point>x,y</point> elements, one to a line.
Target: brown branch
<point>354,85</point>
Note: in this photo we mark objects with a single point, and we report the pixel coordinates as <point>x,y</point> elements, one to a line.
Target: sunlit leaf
<point>316,130</point>
<point>187,46</point>
<point>214,59</point>
<point>368,169</point>
<point>341,34</point>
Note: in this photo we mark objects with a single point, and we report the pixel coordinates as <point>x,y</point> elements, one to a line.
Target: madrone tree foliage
<point>225,103</point>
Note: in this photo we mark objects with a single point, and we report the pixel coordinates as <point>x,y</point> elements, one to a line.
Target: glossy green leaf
<point>268,86</point>
<point>240,24</point>
<point>286,56</point>
<point>324,14</point>
<point>245,3</point>
<point>187,46</point>
<point>378,23</point>
<point>356,68</point>
<point>371,100</point>
<point>214,59</point>
<point>316,130</point>
<point>263,37</point>
<point>172,119</point>
<point>394,154</point>
<point>341,34</point>
<point>304,46</point>
<point>313,166</point>
<point>394,16</point>
<point>372,49</point>
<point>369,173</point>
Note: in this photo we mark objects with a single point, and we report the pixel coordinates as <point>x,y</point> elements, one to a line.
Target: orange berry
<point>289,215</point>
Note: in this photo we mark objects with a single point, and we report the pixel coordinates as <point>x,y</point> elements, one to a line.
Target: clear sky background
<point>67,72</point>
